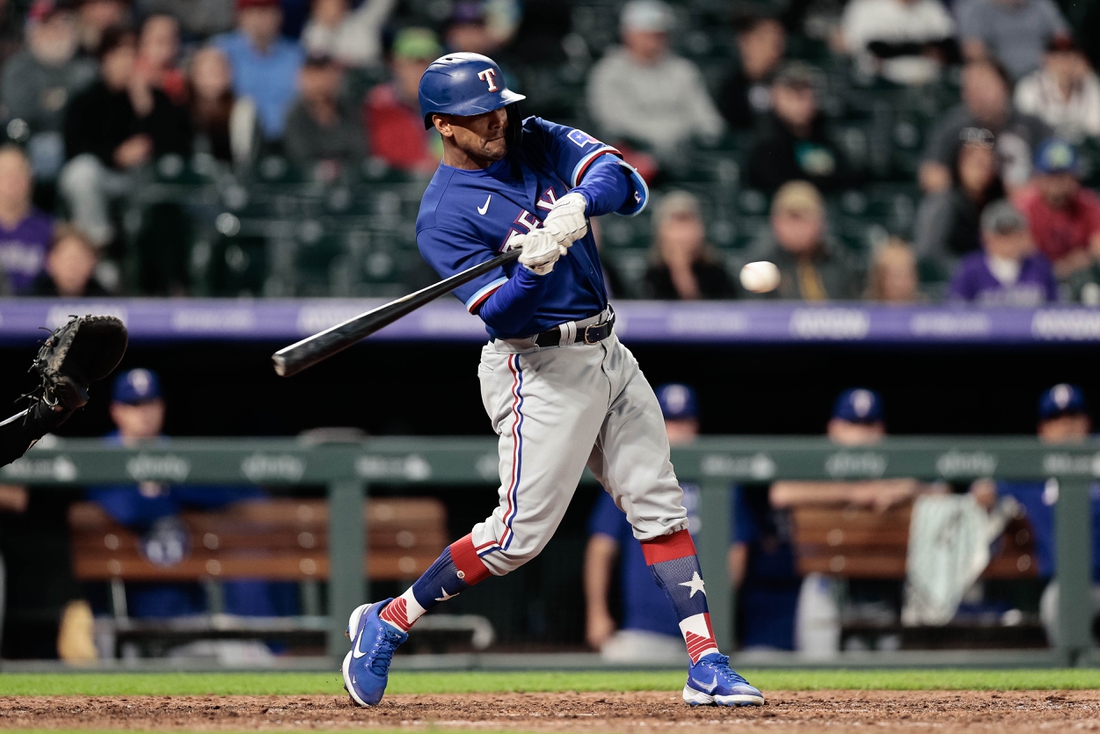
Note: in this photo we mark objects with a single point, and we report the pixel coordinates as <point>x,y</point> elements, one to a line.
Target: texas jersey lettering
<point>468,217</point>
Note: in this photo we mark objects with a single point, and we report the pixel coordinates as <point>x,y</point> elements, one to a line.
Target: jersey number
<point>487,76</point>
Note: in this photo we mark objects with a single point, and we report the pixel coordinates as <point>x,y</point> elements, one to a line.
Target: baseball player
<point>561,392</point>
<point>82,351</point>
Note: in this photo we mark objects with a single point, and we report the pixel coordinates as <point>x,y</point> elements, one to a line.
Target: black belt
<point>593,334</point>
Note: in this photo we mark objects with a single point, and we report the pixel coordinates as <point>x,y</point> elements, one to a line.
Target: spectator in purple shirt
<point>1008,271</point>
<point>24,231</point>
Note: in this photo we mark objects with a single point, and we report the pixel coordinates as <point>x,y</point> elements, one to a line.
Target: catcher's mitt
<point>77,354</point>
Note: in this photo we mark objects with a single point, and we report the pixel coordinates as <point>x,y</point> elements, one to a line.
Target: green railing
<point>348,469</point>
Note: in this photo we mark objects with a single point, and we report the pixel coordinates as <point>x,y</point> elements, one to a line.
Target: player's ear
<point>443,125</point>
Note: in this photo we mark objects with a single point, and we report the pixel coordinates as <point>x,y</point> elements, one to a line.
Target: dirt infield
<point>833,711</point>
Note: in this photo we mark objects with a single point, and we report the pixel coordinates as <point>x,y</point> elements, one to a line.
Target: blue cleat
<point>373,642</point>
<point>712,682</point>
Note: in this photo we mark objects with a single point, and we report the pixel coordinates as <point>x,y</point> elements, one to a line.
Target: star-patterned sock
<point>457,569</point>
<point>672,560</point>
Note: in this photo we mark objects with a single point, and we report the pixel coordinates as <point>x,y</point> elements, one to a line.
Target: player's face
<point>847,433</point>
<point>481,138</point>
<point>682,431</point>
<point>1065,429</point>
<point>141,421</point>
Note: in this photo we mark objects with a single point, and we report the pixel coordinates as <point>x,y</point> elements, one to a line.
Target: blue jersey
<point>768,598</point>
<point>470,216</point>
<point>1038,500</point>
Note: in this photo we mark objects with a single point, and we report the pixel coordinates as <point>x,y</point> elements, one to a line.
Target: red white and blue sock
<point>457,569</point>
<point>672,560</point>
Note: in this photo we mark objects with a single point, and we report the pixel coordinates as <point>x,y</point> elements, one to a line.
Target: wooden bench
<point>863,543</point>
<point>274,540</point>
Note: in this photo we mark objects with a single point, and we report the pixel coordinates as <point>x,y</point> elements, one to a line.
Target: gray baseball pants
<point>557,410</point>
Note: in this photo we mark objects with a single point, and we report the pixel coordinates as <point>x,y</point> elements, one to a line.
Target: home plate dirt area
<point>803,711</point>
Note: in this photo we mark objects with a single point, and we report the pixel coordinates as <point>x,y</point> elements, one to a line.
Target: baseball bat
<point>319,347</point>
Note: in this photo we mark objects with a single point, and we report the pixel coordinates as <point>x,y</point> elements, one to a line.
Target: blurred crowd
<point>102,98</point>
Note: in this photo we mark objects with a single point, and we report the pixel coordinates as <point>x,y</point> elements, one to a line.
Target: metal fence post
<point>715,510</point>
<point>347,545</point>
<point>1074,565</point>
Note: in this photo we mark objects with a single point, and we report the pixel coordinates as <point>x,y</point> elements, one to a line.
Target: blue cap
<point>858,405</point>
<point>1062,399</point>
<point>1056,156</point>
<point>677,402</point>
<point>463,84</point>
<point>137,386</point>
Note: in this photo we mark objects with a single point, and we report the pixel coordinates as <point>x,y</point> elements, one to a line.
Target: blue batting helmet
<point>463,84</point>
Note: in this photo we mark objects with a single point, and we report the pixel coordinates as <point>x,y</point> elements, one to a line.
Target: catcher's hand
<point>86,349</point>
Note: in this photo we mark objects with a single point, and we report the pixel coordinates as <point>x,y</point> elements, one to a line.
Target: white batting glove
<point>540,251</point>
<point>566,221</point>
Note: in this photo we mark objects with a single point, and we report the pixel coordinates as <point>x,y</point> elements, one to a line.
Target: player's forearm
<point>787,494</point>
<point>599,557</point>
<point>514,303</point>
<point>606,186</point>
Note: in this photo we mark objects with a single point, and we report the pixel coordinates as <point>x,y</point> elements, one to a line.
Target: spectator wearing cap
<point>158,57</point>
<point>39,81</point>
<point>265,65</point>
<point>351,36</point>
<point>947,221</point>
<point>70,267</point>
<point>391,112</point>
<point>1064,217</point>
<point>1007,272</point>
<point>746,93</point>
<point>647,631</point>
<point>858,419</point>
<point>682,265</point>
<point>811,266</point>
<point>1063,418</point>
<point>795,144</point>
<point>25,231</point>
<point>322,131</point>
<point>642,93</point>
<point>903,41</point>
<point>1013,31</point>
<point>151,509</point>
<point>986,105</point>
<point>198,19</point>
<point>1064,93</point>
<point>114,127</point>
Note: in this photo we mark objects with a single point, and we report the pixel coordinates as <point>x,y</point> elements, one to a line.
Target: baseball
<point>760,277</point>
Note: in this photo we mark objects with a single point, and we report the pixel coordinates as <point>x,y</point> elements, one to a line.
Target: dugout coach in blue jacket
<point>560,390</point>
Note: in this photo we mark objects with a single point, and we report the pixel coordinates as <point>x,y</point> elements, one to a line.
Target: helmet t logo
<point>487,76</point>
